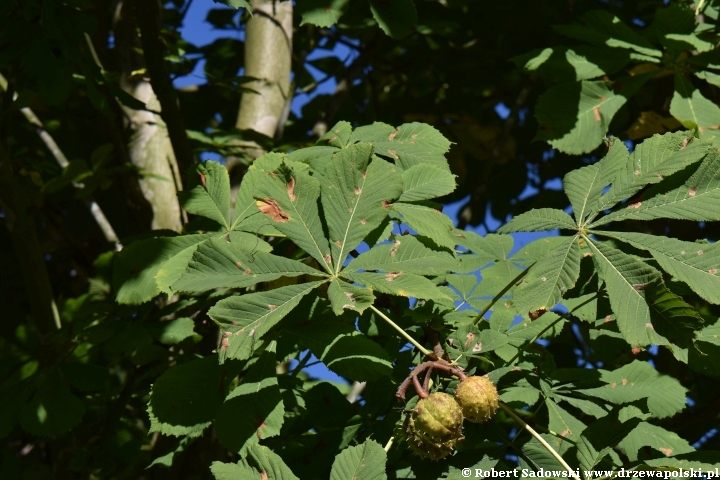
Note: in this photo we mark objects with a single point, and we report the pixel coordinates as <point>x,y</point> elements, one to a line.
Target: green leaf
<point>270,462</point>
<point>495,278</point>
<point>321,13</point>
<point>696,264</point>
<point>357,358</point>
<point>289,198</point>
<point>355,194</point>
<point>425,181</point>
<point>674,321</point>
<point>600,437</point>
<point>698,199</point>
<point>344,296</point>
<point>708,460</point>
<point>552,276</point>
<point>626,277</point>
<point>638,380</point>
<point>184,400</point>
<point>167,459</point>
<point>398,283</point>
<point>410,144</point>
<point>258,398</point>
<point>428,222</point>
<point>233,471</point>
<point>469,341</point>
<point>584,186</point>
<point>581,62</point>
<point>653,160</point>
<point>317,157</point>
<point>538,220</point>
<point>405,254</point>
<point>648,435</point>
<point>535,250</point>
<point>247,217</point>
<point>361,462</point>
<point>210,195</point>
<point>174,331</point>
<point>219,263</point>
<point>137,264</point>
<point>602,28</point>
<point>561,422</point>
<point>498,246</point>
<point>244,319</point>
<point>338,136</point>
<point>693,110</point>
<point>237,4</point>
<point>574,117</point>
<point>397,18</point>
<point>52,410</point>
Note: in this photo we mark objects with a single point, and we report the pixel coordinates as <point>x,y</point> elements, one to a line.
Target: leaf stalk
<point>402,332</point>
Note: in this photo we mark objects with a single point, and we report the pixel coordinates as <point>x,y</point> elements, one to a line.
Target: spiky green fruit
<point>478,398</point>
<point>434,426</point>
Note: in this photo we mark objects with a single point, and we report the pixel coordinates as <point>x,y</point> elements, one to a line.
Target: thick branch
<point>148,18</point>
<point>26,243</point>
<point>268,50</point>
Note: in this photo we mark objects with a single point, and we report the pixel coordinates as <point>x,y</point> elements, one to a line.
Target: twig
<point>539,438</point>
<point>62,160</point>
<point>502,292</point>
<point>402,332</point>
<point>389,444</point>
<point>441,365</point>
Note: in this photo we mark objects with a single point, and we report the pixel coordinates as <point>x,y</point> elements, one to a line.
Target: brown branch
<point>148,14</point>
<point>441,365</point>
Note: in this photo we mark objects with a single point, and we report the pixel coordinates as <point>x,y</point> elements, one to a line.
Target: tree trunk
<point>149,146</point>
<point>268,50</point>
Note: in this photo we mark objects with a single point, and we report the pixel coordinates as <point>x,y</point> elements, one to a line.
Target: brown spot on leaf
<point>364,174</point>
<point>470,338</point>
<point>350,296</point>
<point>635,205</point>
<point>596,113</point>
<point>637,172</point>
<point>566,432</point>
<point>608,319</point>
<point>358,190</point>
<point>263,473</point>
<point>337,242</point>
<point>692,192</point>
<point>613,385</point>
<point>247,271</point>
<point>328,259</point>
<point>238,264</point>
<point>363,221</point>
<point>636,350</point>
<point>477,347</point>
<point>650,326</point>
<point>291,189</point>
<point>640,286</point>
<point>252,333</point>
<point>537,313</point>
<point>666,451</point>
<point>391,276</point>
<point>393,135</point>
<point>270,207</point>
<point>385,204</point>
<point>414,135</point>
<point>272,307</point>
<point>685,143</point>
<point>394,154</point>
<point>712,271</point>
<point>234,322</point>
<point>394,248</point>
<point>202,179</point>
<point>700,252</point>
<point>624,381</point>
<point>225,344</point>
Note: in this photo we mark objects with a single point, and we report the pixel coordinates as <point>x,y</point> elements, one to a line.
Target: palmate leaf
<point>261,462</point>
<point>258,398</point>
<point>695,111</point>
<point>322,13</point>
<point>594,105</point>
<point>428,222</point>
<point>357,358</point>
<point>137,264</point>
<point>408,145</point>
<point>696,264</point>
<point>639,380</point>
<point>398,283</point>
<point>584,186</point>
<point>405,254</point>
<point>600,437</point>
<point>185,399</point>
<point>218,263</point>
<point>649,435</point>
<point>210,195</point>
<point>560,421</point>
<point>355,195</point>
<point>288,196</point>
<point>425,181</point>
<point>247,217</point>
<point>338,136</point>
<point>361,462</point>
<point>245,319</point>
<point>538,220</point>
<point>549,278</point>
<point>626,277</point>
<point>344,296</point>
<point>698,199</point>
<point>653,160</point>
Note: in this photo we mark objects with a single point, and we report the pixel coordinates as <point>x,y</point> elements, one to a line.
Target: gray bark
<point>149,146</point>
<point>268,50</point>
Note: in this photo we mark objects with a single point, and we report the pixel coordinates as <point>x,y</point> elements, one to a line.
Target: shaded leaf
<point>397,19</point>
<point>405,254</point>
<point>398,283</point>
<point>357,358</point>
<point>538,220</point>
<point>344,296</point>
<point>322,13</point>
